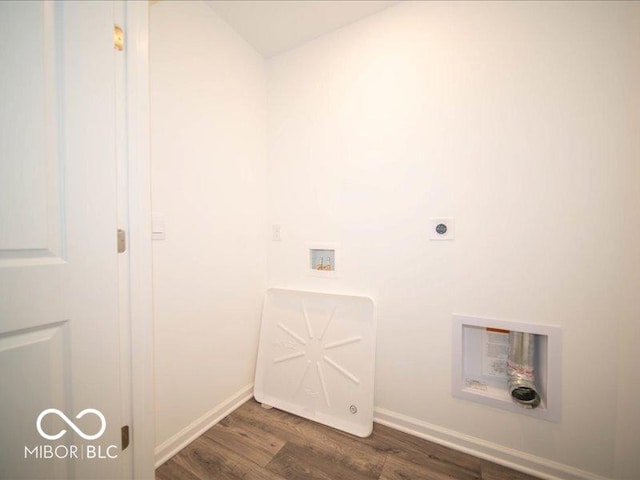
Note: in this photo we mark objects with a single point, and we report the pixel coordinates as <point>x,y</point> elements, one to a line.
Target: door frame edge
<point>140,251</point>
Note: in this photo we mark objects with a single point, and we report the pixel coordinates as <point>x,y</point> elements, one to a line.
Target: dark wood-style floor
<point>258,444</point>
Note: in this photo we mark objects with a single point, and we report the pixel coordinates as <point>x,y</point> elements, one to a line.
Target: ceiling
<point>273,27</point>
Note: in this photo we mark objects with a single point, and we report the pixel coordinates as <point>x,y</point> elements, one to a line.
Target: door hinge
<point>124,431</point>
<point>122,241</point>
<point>118,38</point>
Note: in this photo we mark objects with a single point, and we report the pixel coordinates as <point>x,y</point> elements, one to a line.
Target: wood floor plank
<point>253,443</point>
<point>258,444</point>
<point>281,424</point>
<point>305,433</point>
<point>209,460</point>
<point>418,450</point>
<point>172,471</point>
<point>297,462</point>
<point>383,440</point>
<point>396,468</point>
<point>492,471</point>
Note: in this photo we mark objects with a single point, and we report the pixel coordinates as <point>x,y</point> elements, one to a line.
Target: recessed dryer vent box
<point>479,371</point>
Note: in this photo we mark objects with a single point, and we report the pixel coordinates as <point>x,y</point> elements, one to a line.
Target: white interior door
<point>59,325</point>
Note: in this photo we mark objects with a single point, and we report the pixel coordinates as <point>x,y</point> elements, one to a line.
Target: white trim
<point>187,435</point>
<point>139,242</point>
<point>508,457</point>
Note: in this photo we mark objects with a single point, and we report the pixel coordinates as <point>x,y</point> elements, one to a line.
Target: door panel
<point>31,215</point>
<point>33,362</point>
<point>59,326</point>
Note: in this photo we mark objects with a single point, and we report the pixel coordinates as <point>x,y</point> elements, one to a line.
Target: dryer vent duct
<point>521,370</point>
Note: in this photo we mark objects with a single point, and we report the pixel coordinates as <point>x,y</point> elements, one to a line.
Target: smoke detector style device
<point>316,358</point>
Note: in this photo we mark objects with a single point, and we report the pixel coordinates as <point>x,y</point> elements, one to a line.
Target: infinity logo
<point>71,424</point>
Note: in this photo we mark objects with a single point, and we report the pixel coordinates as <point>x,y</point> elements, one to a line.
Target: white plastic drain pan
<point>316,358</point>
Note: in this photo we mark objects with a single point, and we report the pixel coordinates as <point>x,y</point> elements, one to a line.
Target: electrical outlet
<point>276,233</point>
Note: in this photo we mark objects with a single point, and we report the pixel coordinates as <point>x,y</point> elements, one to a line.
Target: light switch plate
<point>442,228</point>
<point>157,226</point>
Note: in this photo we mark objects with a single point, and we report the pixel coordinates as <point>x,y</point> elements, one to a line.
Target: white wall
<point>208,146</point>
<point>521,121</point>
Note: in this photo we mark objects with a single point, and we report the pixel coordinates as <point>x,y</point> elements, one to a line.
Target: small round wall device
<point>441,228</point>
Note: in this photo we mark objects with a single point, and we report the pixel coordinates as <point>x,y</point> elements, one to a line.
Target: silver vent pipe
<point>521,369</point>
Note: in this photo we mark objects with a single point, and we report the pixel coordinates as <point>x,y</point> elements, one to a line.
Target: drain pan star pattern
<point>316,358</point>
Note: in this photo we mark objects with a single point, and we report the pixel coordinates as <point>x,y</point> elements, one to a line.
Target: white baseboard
<point>523,462</point>
<point>184,437</point>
